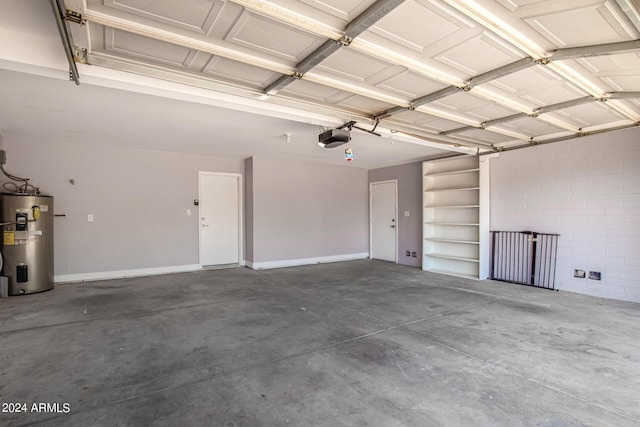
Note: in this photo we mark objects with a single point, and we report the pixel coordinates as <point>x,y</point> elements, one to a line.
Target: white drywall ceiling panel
<point>536,86</point>
<point>315,92</point>
<point>193,15</point>
<point>410,84</point>
<point>485,136</point>
<point>399,28</point>
<point>262,34</point>
<point>475,107</point>
<point>241,73</point>
<point>566,28</point>
<point>353,65</point>
<point>346,10</point>
<point>531,127</point>
<point>591,114</point>
<point>121,42</point>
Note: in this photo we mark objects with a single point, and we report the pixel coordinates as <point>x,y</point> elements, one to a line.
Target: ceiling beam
<point>505,70</point>
<point>474,81</point>
<point>631,11</point>
<point>540,110</point>
<point>563,105</point>
<point>223,50</point>
<point>595,50</point>
<point>623,95</point>
<point>361,23</point>
<point>535,142</point>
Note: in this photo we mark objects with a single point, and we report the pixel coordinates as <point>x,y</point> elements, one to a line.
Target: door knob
<point>205,225</point>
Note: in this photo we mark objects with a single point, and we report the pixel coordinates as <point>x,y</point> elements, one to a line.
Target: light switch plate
<point>407,213</point>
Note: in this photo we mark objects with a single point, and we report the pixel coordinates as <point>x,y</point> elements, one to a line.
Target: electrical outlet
<point>579,274</point>
<point>595,275</point>
<point>90,217</point>
<point>414,255</point>
<point>407,253</point>
<point>188,212</point>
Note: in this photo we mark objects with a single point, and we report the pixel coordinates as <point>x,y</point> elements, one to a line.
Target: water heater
<point>27,242</point>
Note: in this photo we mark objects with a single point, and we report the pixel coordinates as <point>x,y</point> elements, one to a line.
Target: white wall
<point>588,191</point>
<point>138,198</point>
<point>306,212</point>
<point>409,178</point>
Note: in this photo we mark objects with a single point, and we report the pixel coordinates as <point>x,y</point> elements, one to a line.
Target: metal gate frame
<point>524,257</point>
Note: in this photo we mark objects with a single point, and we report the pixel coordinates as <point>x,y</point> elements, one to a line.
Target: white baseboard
<point>121,274</point>
<point>306,261</point>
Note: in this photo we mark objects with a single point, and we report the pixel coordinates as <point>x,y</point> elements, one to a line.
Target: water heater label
<point>9,238</point>
<point>44,208</point>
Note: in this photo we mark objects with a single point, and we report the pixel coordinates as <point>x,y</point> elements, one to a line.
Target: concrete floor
<point>347,344</point>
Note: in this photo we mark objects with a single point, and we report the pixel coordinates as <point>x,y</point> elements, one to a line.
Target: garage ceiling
<point>487,74</point>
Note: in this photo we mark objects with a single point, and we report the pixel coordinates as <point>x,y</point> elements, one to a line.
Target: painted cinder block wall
<point>588,191</point>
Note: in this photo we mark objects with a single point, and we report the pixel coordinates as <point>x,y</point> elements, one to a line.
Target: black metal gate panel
<point>524,257</point>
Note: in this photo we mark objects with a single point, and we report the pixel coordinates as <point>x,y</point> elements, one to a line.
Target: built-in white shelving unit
<point>456,216</point>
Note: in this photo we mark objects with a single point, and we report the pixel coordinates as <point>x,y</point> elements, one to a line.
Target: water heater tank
<point>27,242</point>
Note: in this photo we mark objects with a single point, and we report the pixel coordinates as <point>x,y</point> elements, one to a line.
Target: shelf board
<point>457,258</point>
<point>452,189</point>
<point>469,242</point>
<point>451,223</point>
<point>453,172</point>
<point>451,206</point>
<point>452,273</point>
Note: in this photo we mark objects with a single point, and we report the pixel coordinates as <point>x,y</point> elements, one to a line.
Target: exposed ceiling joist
<point>595,50</point>
<point>537,111</point>
<point>623,95</point>
<point>534,142</point>
<point>191,41</point>
<point>505,70</point>
<point>361,23</point>
<point>631,11</point>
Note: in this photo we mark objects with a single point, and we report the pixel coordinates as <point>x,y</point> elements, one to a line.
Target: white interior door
<point>220,218</point>
<point>383,211</point>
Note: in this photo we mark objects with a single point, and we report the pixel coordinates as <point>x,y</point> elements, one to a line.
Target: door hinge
<point>75,17</point>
